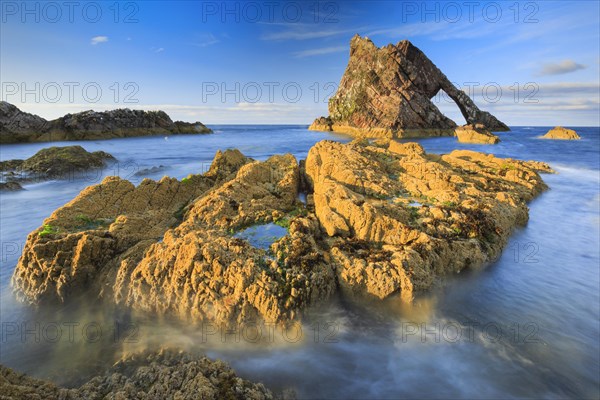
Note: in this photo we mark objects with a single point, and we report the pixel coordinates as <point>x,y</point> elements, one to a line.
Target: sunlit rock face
<point>560,133</point>
<point>380,220</point>
<point>477,134</point>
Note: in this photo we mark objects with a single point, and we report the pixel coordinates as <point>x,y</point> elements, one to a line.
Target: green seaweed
<point>284,222</point>
<point>48,230</point>
<point>87,223</point>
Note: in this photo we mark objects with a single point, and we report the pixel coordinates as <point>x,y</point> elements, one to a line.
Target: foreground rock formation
<point>17,126</point>
<point>477,134</point>
<point>162,375</point>
<point>381,220</point>
<point>560,133</point>
<point>52,163</point>
<point>387,92</point>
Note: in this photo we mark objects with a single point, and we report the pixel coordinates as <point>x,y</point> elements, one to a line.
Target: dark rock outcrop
<point>387,92</point>
<point>167,374</point>
<point>53,163</point>
<point>17,126</point>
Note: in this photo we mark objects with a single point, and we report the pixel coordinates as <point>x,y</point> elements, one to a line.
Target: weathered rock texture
<point>53,163</point>
<point>476,134</point>
<point>17,126</point>
<point>168,246</point>
<point>402,217</point>
<point>387,92</point>
<point>560,133</point>
<point>163,375</point>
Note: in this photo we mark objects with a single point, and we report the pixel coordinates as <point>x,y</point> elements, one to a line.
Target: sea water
<point>527,325</point>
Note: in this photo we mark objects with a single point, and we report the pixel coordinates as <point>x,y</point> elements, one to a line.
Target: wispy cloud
<point>98,39</point>
<point>563,67</point>
<point>205,40</point>
<point>305,32</point>
<point>320,51</point>
<point>159,50</point>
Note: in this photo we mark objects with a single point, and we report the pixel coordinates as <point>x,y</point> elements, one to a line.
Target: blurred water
<point>525,326</point>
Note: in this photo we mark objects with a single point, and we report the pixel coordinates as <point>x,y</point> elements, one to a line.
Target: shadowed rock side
<point>560,133</point>
<point>381,220</point>
<point>17,126</point>
<point>386,92</point>
<point>162,375</point>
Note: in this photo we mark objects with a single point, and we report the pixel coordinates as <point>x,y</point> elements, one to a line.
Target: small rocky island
<point>387,92</point>
<point>560,133</point>
<point>51,163</point>
<point>17,126</point>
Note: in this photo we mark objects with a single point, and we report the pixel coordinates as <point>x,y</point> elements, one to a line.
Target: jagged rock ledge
<point>382,220</point>
<point>167,374</point>
<point>17,126</point>
<point>387,92</point>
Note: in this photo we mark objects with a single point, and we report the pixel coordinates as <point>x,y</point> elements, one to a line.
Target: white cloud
<point>563,67</point>
<point>320,51</point>
<point>159,50</point>
<point>99,39</point>
<point>304,32</point>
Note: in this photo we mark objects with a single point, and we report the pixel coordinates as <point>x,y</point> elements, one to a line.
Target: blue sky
<point>277,62</point>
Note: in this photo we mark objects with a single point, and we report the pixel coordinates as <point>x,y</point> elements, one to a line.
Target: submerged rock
<point>54,163</point>
<point>387,92</point>
<point>150,170</point>
<point>17,126</point>
<point>10,186</point>
<point>171,246</point>
<point>475,134</point>
<point>162,375</point>
<point>560,133</point>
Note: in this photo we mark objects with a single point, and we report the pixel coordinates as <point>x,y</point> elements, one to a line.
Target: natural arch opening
<point>449,107</point>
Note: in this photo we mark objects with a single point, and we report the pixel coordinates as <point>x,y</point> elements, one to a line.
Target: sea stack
<point>387,92</point>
